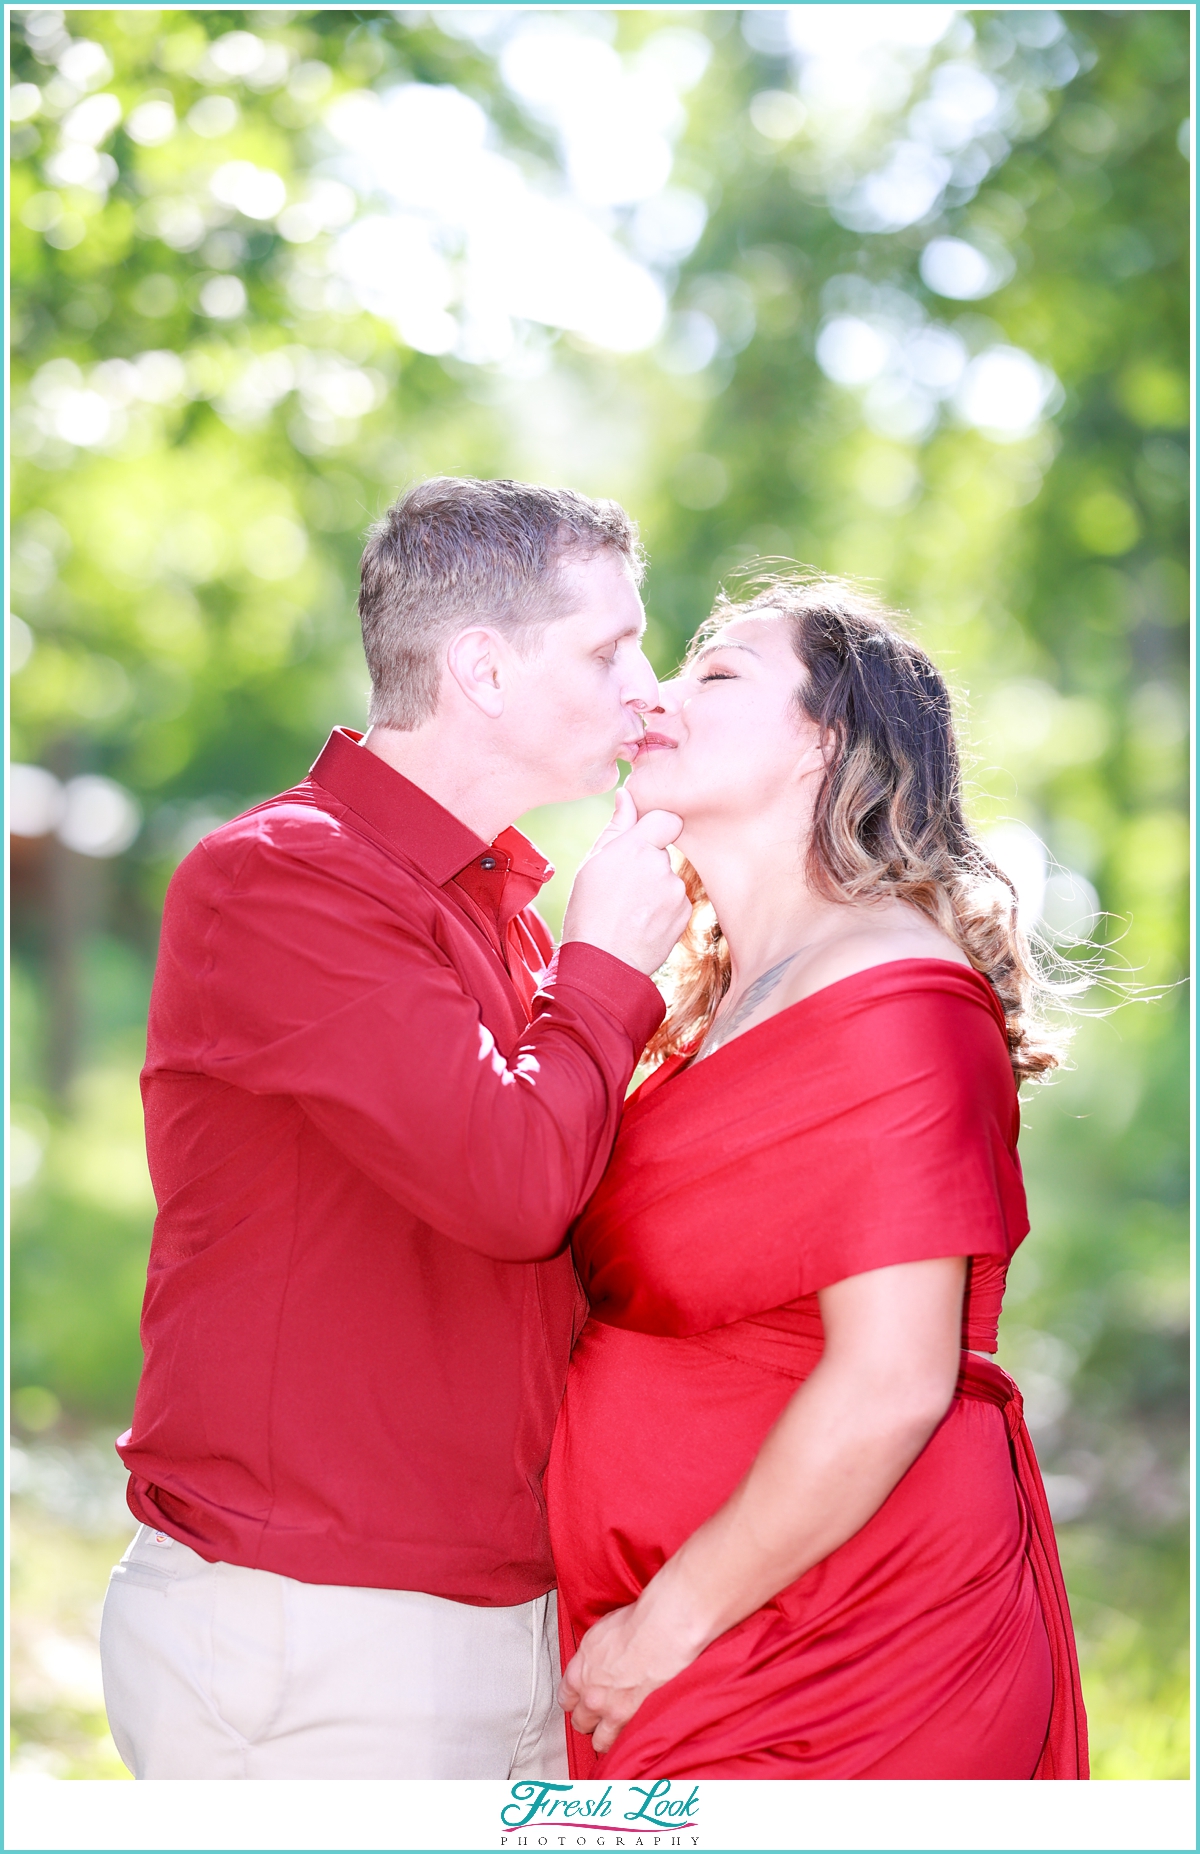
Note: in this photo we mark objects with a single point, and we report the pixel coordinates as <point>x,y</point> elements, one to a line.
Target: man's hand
<point>627,899</point>
<point>620,1661</point>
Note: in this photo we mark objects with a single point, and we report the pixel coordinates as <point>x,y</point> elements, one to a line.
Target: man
<point>371,1114</point>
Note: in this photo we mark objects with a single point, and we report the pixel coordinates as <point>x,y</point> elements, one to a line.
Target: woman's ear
<point>820,754</point>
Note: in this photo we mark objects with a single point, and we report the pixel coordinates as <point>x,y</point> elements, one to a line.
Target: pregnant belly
<point>916,1649</point>
<point>653,1435</point>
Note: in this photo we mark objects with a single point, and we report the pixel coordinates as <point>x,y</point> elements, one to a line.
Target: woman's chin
<point>649,791</point>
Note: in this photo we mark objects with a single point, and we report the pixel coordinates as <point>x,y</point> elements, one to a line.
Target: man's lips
<point>634,750</point>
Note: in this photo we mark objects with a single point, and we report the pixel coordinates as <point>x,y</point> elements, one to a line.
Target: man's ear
<point>478,661</point>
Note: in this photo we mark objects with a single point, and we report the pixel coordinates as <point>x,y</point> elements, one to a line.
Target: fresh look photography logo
<point>663,1814</point>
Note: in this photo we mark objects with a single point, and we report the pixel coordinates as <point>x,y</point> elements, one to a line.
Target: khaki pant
<point>212,1670</point>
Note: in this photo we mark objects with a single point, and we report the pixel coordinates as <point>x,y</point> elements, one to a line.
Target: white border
<point>465,1817</point>
<point>4,645</point>
<point>44,1814</point>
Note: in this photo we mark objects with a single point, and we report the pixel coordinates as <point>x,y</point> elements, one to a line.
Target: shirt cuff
<point>628,995</point>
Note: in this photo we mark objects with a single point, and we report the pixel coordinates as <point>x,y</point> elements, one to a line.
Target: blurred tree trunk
<point>73,896</point>
<point>62,969</point>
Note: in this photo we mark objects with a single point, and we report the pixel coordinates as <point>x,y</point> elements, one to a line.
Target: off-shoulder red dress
<point>874,1122</point>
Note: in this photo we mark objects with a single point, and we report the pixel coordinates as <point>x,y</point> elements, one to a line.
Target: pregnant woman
<point>799,1527</point>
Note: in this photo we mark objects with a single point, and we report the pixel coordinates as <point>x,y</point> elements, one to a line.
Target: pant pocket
<point>131,1574</point>
<point>249,1648</point>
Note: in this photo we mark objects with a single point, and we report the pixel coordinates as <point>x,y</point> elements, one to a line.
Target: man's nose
<point>641,690</point>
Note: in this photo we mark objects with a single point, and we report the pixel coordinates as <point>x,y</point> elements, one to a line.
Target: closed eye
<point>719,676</point>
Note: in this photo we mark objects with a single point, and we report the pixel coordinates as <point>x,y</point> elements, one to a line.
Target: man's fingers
<point>624,810</point>
<point>625,901</point>
<point>659,828</point>
<point>623,819</point>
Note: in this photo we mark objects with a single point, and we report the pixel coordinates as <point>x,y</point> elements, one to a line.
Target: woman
<point>798,1524</point>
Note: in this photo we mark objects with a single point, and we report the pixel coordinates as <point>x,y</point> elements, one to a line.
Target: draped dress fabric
<point>874,1122</point>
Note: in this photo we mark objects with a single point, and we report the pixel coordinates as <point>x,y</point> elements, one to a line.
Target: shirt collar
<point>430,836</point>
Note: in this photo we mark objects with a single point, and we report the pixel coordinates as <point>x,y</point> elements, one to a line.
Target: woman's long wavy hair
<point>888,821</point>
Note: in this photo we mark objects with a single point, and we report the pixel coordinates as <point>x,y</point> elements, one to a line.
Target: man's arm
<point>310,986</point>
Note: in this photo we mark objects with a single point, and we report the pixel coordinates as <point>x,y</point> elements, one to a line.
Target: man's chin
<point>591,782</point>
<point>603,780</point>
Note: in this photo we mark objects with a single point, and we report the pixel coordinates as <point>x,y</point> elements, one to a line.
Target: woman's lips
<point>650,741</point>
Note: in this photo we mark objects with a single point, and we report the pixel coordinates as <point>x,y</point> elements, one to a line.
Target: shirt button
<point>487,862</point>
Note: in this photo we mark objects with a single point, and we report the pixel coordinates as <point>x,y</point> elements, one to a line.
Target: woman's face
<point>730,741</point>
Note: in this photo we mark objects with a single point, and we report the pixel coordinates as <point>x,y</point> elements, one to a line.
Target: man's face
<point>575,702</point>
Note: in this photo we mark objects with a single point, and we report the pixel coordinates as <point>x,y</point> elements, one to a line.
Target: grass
<point>59,1575</point>
<point>1129,1598</point>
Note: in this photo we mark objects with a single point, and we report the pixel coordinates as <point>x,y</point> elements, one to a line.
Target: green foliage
<point>58,1727</point>
<point>188,578</point>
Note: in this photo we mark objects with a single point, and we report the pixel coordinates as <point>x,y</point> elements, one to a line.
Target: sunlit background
<point>899,291</point>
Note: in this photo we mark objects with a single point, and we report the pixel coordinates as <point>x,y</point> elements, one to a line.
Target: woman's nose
<point>670,697</point>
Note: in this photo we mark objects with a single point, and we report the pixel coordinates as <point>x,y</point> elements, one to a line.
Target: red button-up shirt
<point>371,1114</point>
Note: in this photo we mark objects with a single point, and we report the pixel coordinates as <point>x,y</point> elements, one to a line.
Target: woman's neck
<point>759,888</point>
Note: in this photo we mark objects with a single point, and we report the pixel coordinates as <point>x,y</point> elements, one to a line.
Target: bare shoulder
<point>872,937</point>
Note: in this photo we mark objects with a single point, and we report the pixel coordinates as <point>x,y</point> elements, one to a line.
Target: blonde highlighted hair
<point>889,820</point>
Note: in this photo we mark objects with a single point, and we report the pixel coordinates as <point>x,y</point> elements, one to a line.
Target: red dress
<point>872,1123</point>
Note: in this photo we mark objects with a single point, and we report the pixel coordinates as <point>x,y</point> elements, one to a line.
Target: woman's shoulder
<point>869,943</point>
<point>900,1001</point>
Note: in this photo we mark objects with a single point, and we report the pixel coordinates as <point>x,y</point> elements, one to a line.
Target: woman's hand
<point>622,1659</point>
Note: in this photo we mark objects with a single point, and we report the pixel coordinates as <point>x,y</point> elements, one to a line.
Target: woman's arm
<point>857,1423</point>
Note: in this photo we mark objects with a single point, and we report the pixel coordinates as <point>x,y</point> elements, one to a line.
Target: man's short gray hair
<point>453,552</point>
